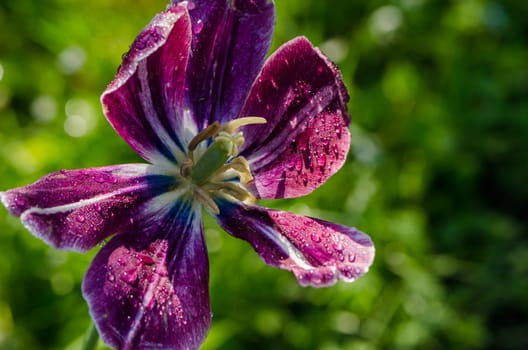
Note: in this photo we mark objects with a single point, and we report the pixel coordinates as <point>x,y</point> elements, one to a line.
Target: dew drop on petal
<point>315,237</point>
<point>20,201</point>
<point>198,27</point>
<point>321,160</point>
<point>291,164</point>
<point>298,164</point>
<point>338,246</point>
<point>81,218</point>
<point>283,222</point>
<point>129,276</point>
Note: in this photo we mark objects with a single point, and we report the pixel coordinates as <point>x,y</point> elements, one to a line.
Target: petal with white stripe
<point>319,253</point>
<point>148,288</point>
<point>145,101</point>
<point>76,209</point>
<point>229,46</point>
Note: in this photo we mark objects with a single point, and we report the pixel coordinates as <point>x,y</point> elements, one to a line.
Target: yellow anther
<point>203,135</point>
<point>235,124</point>
<point>239,166</point>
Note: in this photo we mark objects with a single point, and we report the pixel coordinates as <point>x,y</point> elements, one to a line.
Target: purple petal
<point>149,289</point>
<point>318,252</point>
<point>145,102</point>
<point>76,209</point>
<point>306,138</point>
<point>230,42</point>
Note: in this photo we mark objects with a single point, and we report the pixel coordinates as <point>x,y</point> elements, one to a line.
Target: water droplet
<point>283,222</point>
<point>98,178</point>
<point>129,276</point>
<point>338,131</point>
<point>335,149</point>
<point>81,218</point>
<point>19,201</point>
<point>131,220</point>
<point>304,179</point>
<point>98,207</point>
<point>298,164</point>
<point>315,237</point>
<point>321,160</point>
<point>191,5</point>
<point>198,27</point>
<point>291,163</point>
<point>352,258</point>
<point>338,246</point>
<point>111,278</point>
<point>145,260</point>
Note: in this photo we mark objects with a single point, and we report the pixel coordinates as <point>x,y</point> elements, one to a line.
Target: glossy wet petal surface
<point>148,289</point>
<point>145,102</point>
<point>306,138</point>
<point>76,209</point>
<point>319,253</point>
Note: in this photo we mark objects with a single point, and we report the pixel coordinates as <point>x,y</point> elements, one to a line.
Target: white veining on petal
<point>151,113</point>
<point>82,203</point>
<point>286,246</point>
<point>294,253</point>
<point>164,201</point>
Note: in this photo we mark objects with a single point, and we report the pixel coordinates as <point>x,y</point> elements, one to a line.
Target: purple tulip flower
<point>221,127</point>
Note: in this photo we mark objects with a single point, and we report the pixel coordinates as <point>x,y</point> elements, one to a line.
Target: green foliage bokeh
<point>436,175</point>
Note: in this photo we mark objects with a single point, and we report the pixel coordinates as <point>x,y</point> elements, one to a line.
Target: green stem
<point>91,338</point>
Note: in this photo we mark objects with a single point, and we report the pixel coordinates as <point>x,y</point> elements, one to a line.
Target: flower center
<point>219,171</point>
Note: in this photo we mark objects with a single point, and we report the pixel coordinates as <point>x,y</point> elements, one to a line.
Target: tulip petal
<point>230,43</point>
<point>148,289</point>
<point>306,137</point>
<point>77,209</point>
<point>319,253</point>
<point>145,101</point>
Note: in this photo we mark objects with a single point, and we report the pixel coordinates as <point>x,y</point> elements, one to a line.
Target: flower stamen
<point>238,167</point>
<point>219,171</point>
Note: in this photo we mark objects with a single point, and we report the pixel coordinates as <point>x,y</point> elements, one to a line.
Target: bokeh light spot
<point>71,59</point>
<point>44,108</point>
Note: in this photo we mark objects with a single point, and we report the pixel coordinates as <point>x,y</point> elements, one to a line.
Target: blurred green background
<point>436,175</point>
